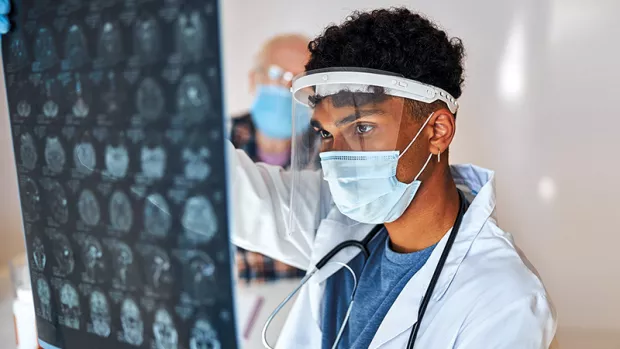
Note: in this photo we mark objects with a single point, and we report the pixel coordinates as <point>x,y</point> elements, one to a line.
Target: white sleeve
<point>529,323</point>
<point>260,209</point>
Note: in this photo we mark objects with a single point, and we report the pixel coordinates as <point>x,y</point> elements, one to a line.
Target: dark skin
<point>389,125</point>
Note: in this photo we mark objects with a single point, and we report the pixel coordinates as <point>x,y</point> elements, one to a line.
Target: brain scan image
<point>147,40</point>
<point>92,258</point>
<point>55,157</point>
<point>39,258</point>
<point>198,276</point>
<point>150,99</point>
<point>190,36</point>
<point>111,96</point>
<point>196,165</point>
<point>199,219</point>
<point>76,52</point>
<point>121,212</point>
<point>28,152</point>
<point>84,157</point>
<point>157,218</point>
<point>117,160</point>
<point>122,262</point>
<point>131,322</point>
<point>157,269</point>
<point>24,108</point>
<point>193,98</point>
<point>100,317</point>
<point>63,255</point>
<point>30,198</point>
<point>45,49</point>
<point>80,108</point>
<point>203,336</point>
<point>164,332</point>
<point>50,108</point>
<point>69,307</point>
<point>153,161</point>
<point>88,208</point>
<point>45,299</point>
<point>18,53</point>
<point>110,49</point>
<point>57,200</point>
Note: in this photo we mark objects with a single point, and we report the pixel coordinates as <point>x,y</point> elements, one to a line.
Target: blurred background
<point>538,108</point>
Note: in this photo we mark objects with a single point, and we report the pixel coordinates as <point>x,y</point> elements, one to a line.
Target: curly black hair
<point>394,40</point>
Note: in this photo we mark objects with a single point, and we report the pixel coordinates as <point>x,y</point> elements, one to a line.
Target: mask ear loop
<point>416,136</point>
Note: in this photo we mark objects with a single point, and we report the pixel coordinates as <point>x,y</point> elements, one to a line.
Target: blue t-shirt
<point>382,279</point>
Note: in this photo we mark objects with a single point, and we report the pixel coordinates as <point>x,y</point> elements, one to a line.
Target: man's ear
<point>443,124</point>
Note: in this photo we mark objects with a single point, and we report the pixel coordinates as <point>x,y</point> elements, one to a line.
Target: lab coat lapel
<point>404,311</point>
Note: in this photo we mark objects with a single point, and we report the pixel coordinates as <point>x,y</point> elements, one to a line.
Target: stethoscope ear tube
<point>442,260</point>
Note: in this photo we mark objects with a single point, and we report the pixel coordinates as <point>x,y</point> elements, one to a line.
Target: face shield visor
<point>350,127</point>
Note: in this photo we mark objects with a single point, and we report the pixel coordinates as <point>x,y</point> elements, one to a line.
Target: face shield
<point>350,128</point>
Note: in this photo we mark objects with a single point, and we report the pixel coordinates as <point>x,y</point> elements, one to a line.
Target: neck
<point>270,145</point>
<point>429,216</point>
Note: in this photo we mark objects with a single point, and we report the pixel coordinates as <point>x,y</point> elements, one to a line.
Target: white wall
<point>539,108</point>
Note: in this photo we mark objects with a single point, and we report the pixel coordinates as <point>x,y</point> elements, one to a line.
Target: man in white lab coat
<point>383,149</point>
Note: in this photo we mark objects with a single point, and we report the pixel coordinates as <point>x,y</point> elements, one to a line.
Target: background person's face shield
<point>347,110</point>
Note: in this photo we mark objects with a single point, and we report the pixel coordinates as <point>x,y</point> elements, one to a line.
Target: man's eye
<point>324,134</point>
<point>363,128</point>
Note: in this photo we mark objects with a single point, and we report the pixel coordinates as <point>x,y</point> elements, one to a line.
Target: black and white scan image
<point>165,335</point>
<point>117,160</point>
<point>100,316</point>
<point>63,254</point>
<point>153,161</point>
<point>76,52</point>
<point>44,50</point>
<point>120,211</point>
<point>70,312</point>
<point>110,46</point>
<point>199,220</point>
<point>92,258</point>
<point>203,336</point>
<point>158,273</point>
<point>44,295</point>
<point>88,208</point>
<point>199,276</point>
<point>28,152</point>
<point>56,201</point>
<point>30,198</point>
<point>84,157</point>
<point>132,323</point>
<point>118,135</point>
<point>157,216</point>
<point>147,39</point>
<point>150,99</point>
<point>39,258</point>
<point>190,35</point>
<point>55,156</point>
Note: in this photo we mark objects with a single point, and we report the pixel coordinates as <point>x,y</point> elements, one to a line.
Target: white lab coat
<point>486,297</point>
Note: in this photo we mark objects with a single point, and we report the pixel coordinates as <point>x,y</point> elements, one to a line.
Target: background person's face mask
<point>364,186</point>
<point>271,112</point>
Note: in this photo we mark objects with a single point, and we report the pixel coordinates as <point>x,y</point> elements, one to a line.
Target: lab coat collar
<point>477,184</point>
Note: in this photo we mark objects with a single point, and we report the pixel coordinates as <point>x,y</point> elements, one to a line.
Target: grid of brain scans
<point>117,123</point>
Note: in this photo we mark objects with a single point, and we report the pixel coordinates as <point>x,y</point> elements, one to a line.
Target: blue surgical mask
<point>271,112</point>
<point>364,186</point>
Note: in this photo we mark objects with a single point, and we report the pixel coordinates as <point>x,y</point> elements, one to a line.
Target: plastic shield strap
<point>334,117</point>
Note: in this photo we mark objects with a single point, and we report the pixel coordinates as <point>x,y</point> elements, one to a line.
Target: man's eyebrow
<point>357,115</point>
<point>349,118</point>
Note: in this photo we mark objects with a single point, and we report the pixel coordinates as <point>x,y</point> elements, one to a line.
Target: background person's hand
<point>5,7</point>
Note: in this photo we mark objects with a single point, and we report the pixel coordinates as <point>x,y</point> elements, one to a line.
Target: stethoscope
<point>363,246</point>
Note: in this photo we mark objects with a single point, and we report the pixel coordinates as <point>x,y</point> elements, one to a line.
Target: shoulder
<point>498,272</point>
